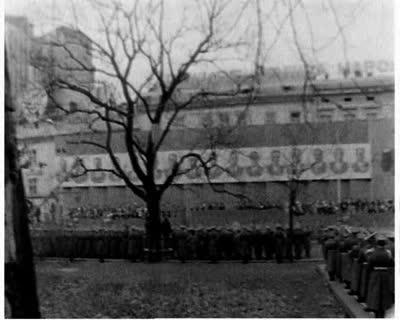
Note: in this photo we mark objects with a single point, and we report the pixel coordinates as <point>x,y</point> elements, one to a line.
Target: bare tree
<point>133,37</point>
<point>151,65</point>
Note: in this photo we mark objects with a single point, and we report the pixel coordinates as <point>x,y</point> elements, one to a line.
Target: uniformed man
<point>245,248</point>
<point>213,245</point>
<point>298,241</point>
<point>101,244</point>
<point>355,267</point>
<point>330,246</point>
<point>191,243</point>
<point>86,251</point>
<point>181,237</point>
<point>280,243</point>
<point>226,241</point>
<point>268,242</point>
<point>257,242</point>
<point>204,243</point>
<point>379,261</point>
<point>288,253</point>
<point>71,245</point>
<point>114,244</point>
<point>236,243</point>
<point>166,231</point>
<point>197,242</point>
<point>124,242</point>
<point>308,232</point>
<point>365,252</point>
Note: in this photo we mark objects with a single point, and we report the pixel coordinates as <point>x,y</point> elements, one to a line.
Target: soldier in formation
<point>213,243</point>
<point>363,261</point>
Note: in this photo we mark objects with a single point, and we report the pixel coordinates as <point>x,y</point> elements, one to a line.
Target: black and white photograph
<point>199,159</point>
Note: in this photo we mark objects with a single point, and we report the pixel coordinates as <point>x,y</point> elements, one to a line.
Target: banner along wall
<point>256,164</point>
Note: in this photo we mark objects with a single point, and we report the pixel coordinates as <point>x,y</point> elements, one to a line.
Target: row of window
<point>208,119</point>
<point>329,115</point>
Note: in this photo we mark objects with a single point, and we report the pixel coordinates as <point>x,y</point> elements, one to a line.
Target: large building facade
<point>346,127</point>
<point>340,129</point>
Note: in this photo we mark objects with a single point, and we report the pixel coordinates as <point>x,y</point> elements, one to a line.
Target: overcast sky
<point>367,25</point>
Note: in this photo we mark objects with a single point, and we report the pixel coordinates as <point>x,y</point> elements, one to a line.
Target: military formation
<point>212,244</point>
<point>364,262</point>
<point>352,206</point>
<point>243,243</point>
<point>128,211</point>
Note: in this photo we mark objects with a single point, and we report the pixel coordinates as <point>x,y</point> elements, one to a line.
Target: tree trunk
<point>153,229</point>
<point>20,279</point>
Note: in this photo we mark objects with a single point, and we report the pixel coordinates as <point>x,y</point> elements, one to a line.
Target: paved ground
<point>125,290</point>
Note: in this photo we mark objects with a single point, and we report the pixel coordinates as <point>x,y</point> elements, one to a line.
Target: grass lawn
<point>138,290</point>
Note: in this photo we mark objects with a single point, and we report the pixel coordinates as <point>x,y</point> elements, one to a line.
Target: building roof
<point>287,92</point>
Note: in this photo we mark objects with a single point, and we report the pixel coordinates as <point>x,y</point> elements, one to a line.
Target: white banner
<point>305,162</point>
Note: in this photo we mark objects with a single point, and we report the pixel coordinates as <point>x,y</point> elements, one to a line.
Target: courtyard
<point>119,289</point>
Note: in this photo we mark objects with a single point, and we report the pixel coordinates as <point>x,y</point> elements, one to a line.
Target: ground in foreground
<point>192,290</point>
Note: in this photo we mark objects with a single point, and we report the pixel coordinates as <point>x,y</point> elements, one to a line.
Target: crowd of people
<point>364,262</point>
<point>347,207</point>
<point>212,244</point>
<point>322,207</point>
<point>128,211</point>
<point>351,206</point>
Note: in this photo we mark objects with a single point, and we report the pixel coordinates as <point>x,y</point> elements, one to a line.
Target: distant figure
<point>233,168</point>
<point>166,231</point>
<point>360,166</point>
<point>319,165</point>
<point>255,169</point>
<point>338,166</point>
<point>275,168</point>
<point>279,243</point>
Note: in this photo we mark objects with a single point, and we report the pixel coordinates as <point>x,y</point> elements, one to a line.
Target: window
<point>370,98</point>
<point>73,106</point>
<point>348,99</point>
<point>270,117</point>
<point>295,117</point>
<point>32,186</point>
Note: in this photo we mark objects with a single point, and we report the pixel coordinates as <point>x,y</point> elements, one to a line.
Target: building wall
<point>379,133</point>
<point>18,43</point>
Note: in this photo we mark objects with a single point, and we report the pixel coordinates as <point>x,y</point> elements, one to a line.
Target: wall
<point>379,133</point>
